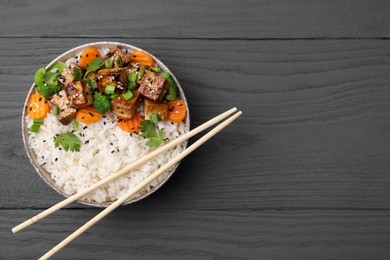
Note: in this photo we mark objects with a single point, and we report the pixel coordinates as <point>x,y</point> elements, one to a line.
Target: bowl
<point>45,175</point>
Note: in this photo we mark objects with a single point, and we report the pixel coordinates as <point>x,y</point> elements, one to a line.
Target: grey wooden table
<point>304,174</point>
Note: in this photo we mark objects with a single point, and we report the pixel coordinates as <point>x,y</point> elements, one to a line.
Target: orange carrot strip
<point>177,111</point>
<point>88,115</point>
<point>37,106</point>
<point>132,125</point>
<point>142,58</point>
<point>88,55</point>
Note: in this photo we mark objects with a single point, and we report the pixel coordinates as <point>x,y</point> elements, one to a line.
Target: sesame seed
<point>56,159</point>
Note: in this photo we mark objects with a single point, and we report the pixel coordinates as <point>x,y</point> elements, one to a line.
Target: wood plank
<point>314,134</point>
<point>151,234</point>
<point>250,19</point>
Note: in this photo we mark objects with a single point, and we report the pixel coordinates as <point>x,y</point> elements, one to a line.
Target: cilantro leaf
<point>94,65</point>
<point>77,74</point>
<point>92,83</point>
<point>68,141</point>
<point>148,129</point>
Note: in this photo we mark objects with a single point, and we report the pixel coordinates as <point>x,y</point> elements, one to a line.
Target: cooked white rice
<point>105,149</point>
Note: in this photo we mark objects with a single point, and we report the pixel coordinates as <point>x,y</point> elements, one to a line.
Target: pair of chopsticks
<point>126,169</point>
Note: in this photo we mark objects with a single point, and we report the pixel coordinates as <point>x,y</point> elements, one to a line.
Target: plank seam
<point>191,38</point>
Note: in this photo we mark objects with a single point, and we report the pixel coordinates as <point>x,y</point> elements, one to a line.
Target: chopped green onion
<point>110,90</point>
<point>38,121</point>
<point>114,96</point>
<point>119,61</point>
<point>75,125</point>
<point>55,110</point>
<point>141,73</point>
<point>155,70</point>
<point>172,91</point>
<point>132,85</point>
<point>127,95</point>
<point>132,77</point>
<point>34,128</point>
<point>108,63</point>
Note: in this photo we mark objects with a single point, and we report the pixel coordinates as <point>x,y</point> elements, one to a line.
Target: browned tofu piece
<point>116,77</point>
<point>114,53</point>
<point>66,76</point>
<point>66,113</point>
<point>153,86</point>
<point>151,106</point>
<point>79,94</point>
<point>125,108</point>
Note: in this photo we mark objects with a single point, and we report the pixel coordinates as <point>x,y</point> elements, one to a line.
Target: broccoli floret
<point>101,103</point>
<point>45,88</point>
<point>48,89</point>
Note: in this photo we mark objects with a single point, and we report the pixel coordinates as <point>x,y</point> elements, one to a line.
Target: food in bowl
<point>93,113</point>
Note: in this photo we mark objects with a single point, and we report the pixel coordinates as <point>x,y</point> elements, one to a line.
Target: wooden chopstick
<point>130,193</point>
<point>121,172</point>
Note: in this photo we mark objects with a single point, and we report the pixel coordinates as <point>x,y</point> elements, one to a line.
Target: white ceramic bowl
<point>45,175</point>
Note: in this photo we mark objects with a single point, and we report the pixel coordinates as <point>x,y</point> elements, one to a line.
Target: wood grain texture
<point>193,19</point>
<point>304,174</point>
<point>314,134</point>
<point>165,234</point>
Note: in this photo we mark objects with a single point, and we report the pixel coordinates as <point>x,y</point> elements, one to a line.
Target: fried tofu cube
<point>79,94</point>
<point>66,76</point>
<point>125,108</point>
<point>66,112</point>
<point>153,86</point>
<point>150,106</point>
<point>114,53</point>
<point>116,77</point>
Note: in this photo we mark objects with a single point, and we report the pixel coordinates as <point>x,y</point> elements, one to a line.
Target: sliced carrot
<point>177,111</point>
<point>88,55</point>
<point>132,125</point>
<point>88,115</point>
<point>37,106</point>
<point>142,58</point>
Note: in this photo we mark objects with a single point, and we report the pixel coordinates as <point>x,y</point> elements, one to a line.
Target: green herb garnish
<point>55,110</point>
<point>35,128</point>
<point>108,63</point>
<point>68,141</point>
<point>114,96</point>
<point>154,118</point>
<point>149,130</point>
<point>75,125</point>
<point>91,83</point>
<point>94,65</point>
<point>132,77</point>
<point>38,121</point>
<point>172,91</point>
<point>110,90</point>
<point>141,73</point>
<point>119,61</point>
<point>77,74</point>
<point>155,70</point>
<point>127,95</point>
<point>132,85</point>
